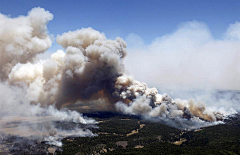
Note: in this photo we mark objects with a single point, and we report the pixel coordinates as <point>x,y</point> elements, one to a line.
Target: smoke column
<point>89,69</point>
<point>29,86</point>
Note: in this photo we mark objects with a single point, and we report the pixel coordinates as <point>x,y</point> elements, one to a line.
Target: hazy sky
<point>167,29</point>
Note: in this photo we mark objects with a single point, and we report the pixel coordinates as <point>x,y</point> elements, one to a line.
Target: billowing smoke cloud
<point>87,70</point>
<point>90,69</point>
<point>91,64</point>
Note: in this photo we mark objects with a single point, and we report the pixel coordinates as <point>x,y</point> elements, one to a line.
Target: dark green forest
<point>121,134</point>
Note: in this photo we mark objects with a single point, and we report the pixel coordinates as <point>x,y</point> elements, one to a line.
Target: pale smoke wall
<point>189,57</point>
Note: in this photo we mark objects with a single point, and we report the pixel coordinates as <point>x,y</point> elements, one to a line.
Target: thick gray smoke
<point>90,69</point>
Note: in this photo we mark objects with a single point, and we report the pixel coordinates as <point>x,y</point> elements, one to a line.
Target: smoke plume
<point>89,69</point>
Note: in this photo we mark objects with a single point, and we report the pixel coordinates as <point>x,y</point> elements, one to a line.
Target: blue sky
<point>148,19</point>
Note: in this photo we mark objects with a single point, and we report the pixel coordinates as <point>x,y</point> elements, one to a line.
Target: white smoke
<point>56,140</point>
<point>22,38</point>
